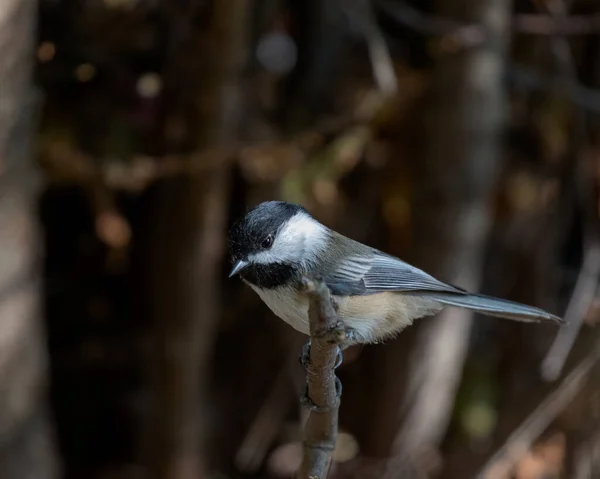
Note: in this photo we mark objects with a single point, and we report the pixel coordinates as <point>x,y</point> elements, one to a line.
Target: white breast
<point>285,304</point>
<point>374,318</point>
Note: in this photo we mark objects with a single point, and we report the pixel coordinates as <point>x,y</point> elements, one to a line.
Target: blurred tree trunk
<point>323,38</point>
<point>183,262</point>
<point>454,187</point>
<point>26,440</point>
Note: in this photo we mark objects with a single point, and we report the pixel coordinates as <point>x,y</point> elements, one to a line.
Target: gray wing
<point>379,272</point>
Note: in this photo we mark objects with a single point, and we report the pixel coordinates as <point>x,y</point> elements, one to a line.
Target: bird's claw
<point>338,387</point>
<point>305,355</point>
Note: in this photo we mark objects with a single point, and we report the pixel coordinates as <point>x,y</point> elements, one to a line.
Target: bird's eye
<point>267,242</point>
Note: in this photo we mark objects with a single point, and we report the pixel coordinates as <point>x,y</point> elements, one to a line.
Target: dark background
<point>461,136</point>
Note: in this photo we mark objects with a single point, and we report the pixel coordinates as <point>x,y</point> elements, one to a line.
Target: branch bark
<point>320,433</point>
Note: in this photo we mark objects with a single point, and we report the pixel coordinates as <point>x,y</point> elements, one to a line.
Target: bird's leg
<point>339,335</point>
<point>338,387</point>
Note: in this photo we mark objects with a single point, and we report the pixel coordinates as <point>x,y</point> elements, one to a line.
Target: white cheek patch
<point>300,240</point>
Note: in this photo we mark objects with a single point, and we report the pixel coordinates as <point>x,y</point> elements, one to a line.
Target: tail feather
<point>497,307</point>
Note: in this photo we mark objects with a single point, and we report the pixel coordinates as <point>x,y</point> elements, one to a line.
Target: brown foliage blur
<point>460,136</point>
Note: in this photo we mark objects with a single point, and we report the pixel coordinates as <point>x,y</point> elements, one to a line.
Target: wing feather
<point>379,273</point>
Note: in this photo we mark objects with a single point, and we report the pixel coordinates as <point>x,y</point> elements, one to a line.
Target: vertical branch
<point>452,214</point>
<point>26,445</point>
<point>321,428</point>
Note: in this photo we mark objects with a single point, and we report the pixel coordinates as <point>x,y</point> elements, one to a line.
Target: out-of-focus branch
<point>27,439</point>
<point>458,171</point>
<point>560,45</point>
<point>455,35</point>
<point>587,282</point>
<point>320,433</point>
<point>579,304</point>
<point>361,12</point>
<point>533,24</point>
<point>549,25</point>
<point>64,164</point>
<point>522,438</point>
<point>582,96</point>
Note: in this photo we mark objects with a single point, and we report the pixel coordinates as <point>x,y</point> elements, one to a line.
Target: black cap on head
<point>247,234</point>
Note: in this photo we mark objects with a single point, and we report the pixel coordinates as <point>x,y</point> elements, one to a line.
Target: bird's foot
<point>341,335</point>
<point>305,355</point>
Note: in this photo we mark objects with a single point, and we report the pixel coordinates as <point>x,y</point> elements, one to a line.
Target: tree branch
<point>320,432</point>
<point>579,305</point>
<point>519,442</point>
<point>587,283</point>
<point>539,24</point>
<point>524,23</point>
<point>382,64</point>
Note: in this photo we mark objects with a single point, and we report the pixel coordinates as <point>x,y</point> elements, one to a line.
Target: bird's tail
<point>491,306</point>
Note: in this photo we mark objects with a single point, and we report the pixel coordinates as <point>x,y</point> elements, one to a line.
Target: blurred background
<point>462,136</point>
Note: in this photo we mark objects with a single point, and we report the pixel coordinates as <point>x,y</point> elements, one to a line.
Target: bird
<point>276,244</point>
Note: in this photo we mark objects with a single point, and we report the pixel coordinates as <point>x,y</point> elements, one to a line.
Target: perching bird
<point>377,295</point>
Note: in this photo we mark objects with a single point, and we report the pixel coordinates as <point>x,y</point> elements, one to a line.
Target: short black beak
<point>237,267</point>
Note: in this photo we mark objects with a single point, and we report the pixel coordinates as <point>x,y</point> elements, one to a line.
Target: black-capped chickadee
<point>377,295</point>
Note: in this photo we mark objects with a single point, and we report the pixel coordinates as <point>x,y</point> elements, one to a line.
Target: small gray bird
<point>377,295</point>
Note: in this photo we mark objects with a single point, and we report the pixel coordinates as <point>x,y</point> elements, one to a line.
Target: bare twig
<point>520,441</point>
<point>65,164</point>
<point>579,304</point>
<point>320,432</point>
<point>529,79</point>
<point>458,35</point>
<point>548,25</point>
<point>361,12</point>
<point>381,60</point>
<point>532,24</point>
<point>560,45</point>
